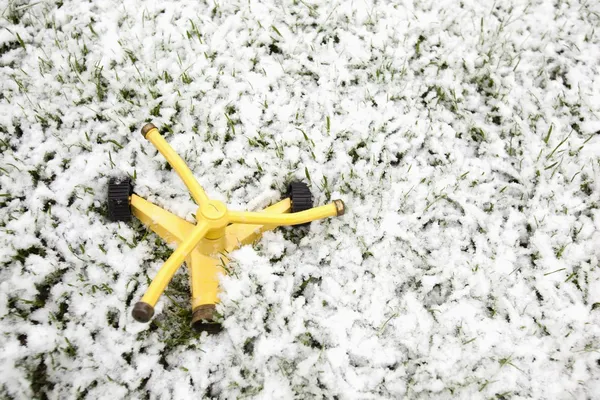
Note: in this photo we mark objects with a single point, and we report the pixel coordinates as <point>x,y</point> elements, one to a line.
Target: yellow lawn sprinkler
<point>205,244</point>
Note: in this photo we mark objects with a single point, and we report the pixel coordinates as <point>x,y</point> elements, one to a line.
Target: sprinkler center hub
<point>214,211</point>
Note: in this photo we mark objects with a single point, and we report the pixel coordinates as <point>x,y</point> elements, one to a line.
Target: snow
<point>463,137</point>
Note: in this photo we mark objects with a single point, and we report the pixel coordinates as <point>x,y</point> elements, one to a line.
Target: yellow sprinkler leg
<point>144,309</point>
<point>330,210</point>
<point>204,282</point>
<point>150,132</point>
<point>165,224</point>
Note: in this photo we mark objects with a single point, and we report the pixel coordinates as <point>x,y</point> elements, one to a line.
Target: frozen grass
<point>462,135</point>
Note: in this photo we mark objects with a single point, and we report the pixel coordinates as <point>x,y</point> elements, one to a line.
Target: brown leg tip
<point>340,207</point>
<point>142,312</point>
<point>203,319</point>
<point>147,128</point>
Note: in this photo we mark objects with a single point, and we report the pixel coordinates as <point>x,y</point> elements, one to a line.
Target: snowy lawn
<point>463,136</point>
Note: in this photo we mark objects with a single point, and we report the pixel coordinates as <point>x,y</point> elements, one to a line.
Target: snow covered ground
<point>464,137</point>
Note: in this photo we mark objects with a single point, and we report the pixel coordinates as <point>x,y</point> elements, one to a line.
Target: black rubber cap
<point>301,198</point>
<point>119,191</point>
<point>300,195</point>
<point>142,312</point>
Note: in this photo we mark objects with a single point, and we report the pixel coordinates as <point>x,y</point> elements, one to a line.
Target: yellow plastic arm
<point>165,274</point>
<point>204,278</point>
<point>167,225</point>
<point>263,218</point>
<point>151,133</point>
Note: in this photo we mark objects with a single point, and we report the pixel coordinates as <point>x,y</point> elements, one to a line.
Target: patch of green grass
<point>477,134</point>
<point>37,375</point>
<point>420,40</point>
